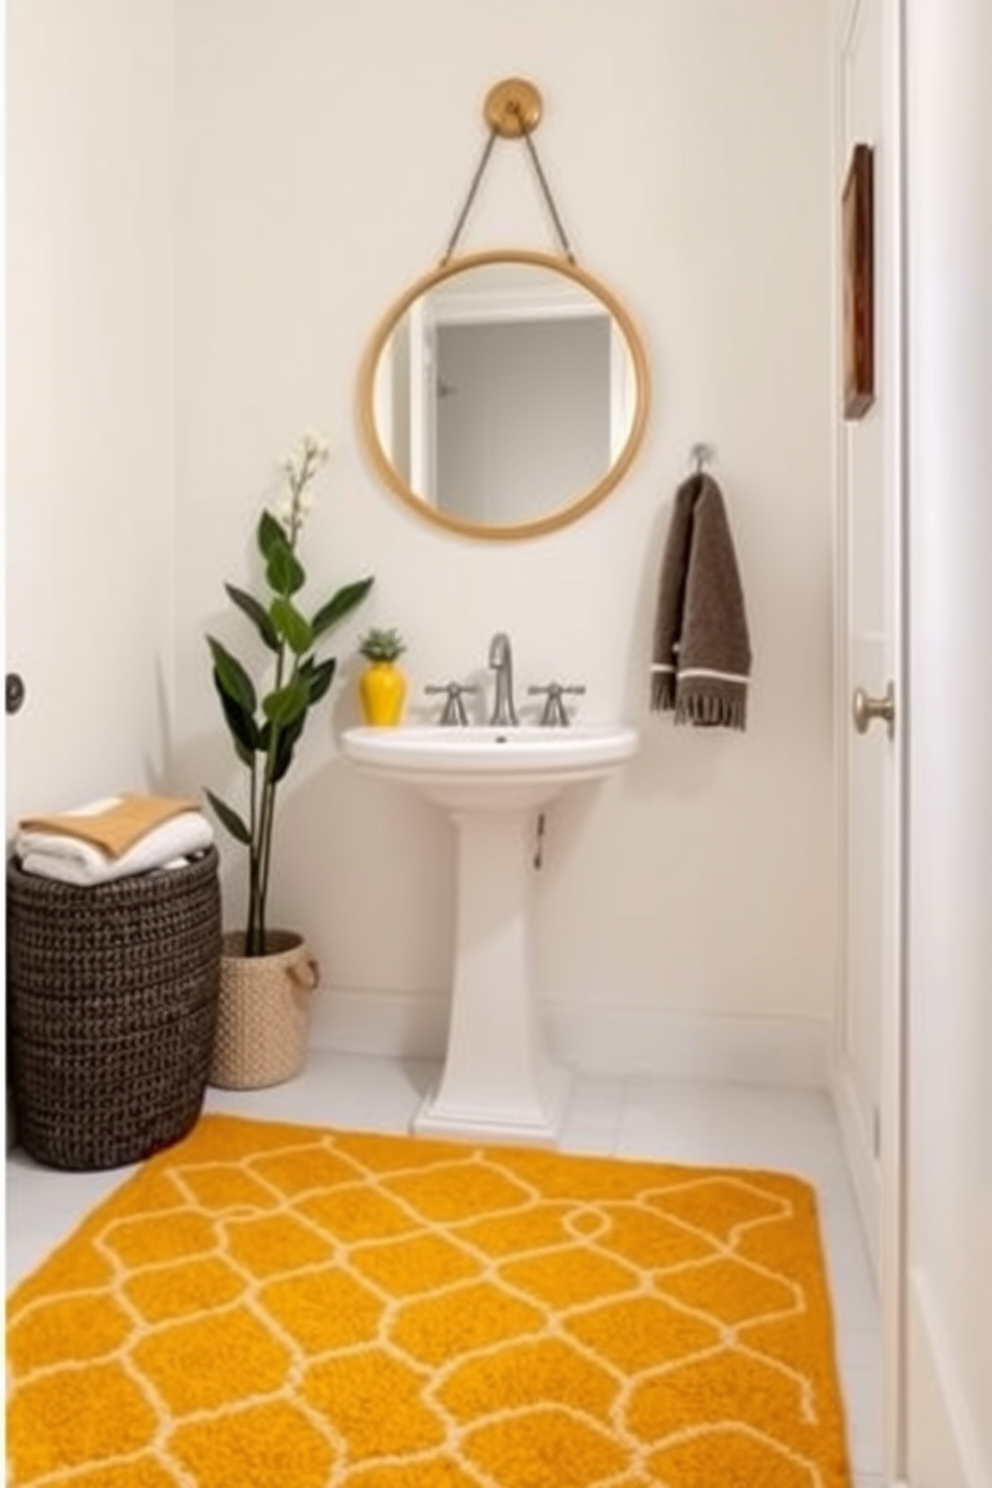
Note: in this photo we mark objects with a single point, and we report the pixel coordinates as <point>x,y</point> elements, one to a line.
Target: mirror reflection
<point>504,394</point>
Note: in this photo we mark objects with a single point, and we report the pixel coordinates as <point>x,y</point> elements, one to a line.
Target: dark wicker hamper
<point>112,996</point>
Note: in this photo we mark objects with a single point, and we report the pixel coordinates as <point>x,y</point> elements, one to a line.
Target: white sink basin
<point>499,768</point>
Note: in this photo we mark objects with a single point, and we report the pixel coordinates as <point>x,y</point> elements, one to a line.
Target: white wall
<point>90,397</point>
<point>949,1140</point>
<point>323,157</point>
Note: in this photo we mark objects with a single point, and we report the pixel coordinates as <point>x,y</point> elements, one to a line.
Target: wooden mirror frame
<point>570,511</point>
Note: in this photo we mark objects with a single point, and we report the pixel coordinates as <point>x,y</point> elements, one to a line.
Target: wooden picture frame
<point>859,283</point>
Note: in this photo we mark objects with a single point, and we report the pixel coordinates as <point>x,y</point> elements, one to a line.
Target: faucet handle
<point>554,714</point>
<point>453,711</point>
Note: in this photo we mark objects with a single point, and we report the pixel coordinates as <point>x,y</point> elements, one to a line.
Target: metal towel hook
<point>702,454</point>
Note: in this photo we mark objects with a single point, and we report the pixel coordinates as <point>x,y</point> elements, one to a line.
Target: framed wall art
<point>859,284</point>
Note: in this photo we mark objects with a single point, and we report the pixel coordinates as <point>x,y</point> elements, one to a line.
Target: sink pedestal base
<point>498,1081</point>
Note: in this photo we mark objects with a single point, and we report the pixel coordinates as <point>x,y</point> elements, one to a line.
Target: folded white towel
<point>73,861</point>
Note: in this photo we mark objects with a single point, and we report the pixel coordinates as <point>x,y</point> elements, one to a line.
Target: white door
<point>870,483</point>
<point>870,1082</point>
<point>914,478</point>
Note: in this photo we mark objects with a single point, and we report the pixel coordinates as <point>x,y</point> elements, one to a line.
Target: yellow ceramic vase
<point>383,692</point>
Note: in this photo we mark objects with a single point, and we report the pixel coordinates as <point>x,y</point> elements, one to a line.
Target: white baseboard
<point>392,1025</point>
<point>604,1040</point>
<point>857,1139</point>
<point>691,1046</point>
<point>943,1445</point>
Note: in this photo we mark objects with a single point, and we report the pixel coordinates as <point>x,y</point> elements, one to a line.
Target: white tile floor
<point>680,1121</point>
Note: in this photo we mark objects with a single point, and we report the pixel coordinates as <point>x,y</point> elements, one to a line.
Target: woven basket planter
<point>263,1023</point>
<point>112,994</point>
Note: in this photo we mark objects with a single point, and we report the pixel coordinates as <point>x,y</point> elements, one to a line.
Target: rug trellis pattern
<point>269,1304</point>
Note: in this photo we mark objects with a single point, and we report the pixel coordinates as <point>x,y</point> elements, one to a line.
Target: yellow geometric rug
<point>277,1306</point>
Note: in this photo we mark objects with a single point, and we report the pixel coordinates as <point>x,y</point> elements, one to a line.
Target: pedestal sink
<point>498,1081</point>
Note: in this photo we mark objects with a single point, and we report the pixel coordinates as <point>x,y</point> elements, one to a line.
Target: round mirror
<point>504,394</point>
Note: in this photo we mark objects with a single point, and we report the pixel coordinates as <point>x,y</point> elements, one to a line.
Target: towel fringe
<point>662,692</point>
<point>711,710</point>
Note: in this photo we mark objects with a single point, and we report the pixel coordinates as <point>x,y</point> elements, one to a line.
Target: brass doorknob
<point>865,708</point>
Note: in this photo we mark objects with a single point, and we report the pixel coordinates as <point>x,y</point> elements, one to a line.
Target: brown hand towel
<point>702,651</point>
<point>118,826</point>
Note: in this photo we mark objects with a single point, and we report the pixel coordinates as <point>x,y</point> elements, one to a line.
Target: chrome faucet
<point>501,660</point>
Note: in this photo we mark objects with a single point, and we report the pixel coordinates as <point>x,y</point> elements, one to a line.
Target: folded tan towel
<point>702,652</point>
<point>115,824</point>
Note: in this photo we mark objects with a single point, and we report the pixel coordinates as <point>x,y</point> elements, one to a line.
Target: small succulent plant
<point>382,644</point>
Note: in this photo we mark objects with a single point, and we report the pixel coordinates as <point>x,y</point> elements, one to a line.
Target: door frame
<point>894,1150</point>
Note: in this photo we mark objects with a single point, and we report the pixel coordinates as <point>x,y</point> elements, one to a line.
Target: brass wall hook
<point>513,108</point>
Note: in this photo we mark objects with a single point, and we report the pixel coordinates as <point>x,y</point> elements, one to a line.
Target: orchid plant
<point>265,728</point>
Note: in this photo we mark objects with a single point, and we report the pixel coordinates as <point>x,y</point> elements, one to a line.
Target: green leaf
<point>257,614</point>
<point>339,605</point>
<point>291,625</point>
<point>271,534</point>
<point>285,745</point>
<point>284,706</point>
<point>231,677</point>
<point>230,819</point>
<point>242,726</point>
<point>319,676</point>
<point>283,570</point>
